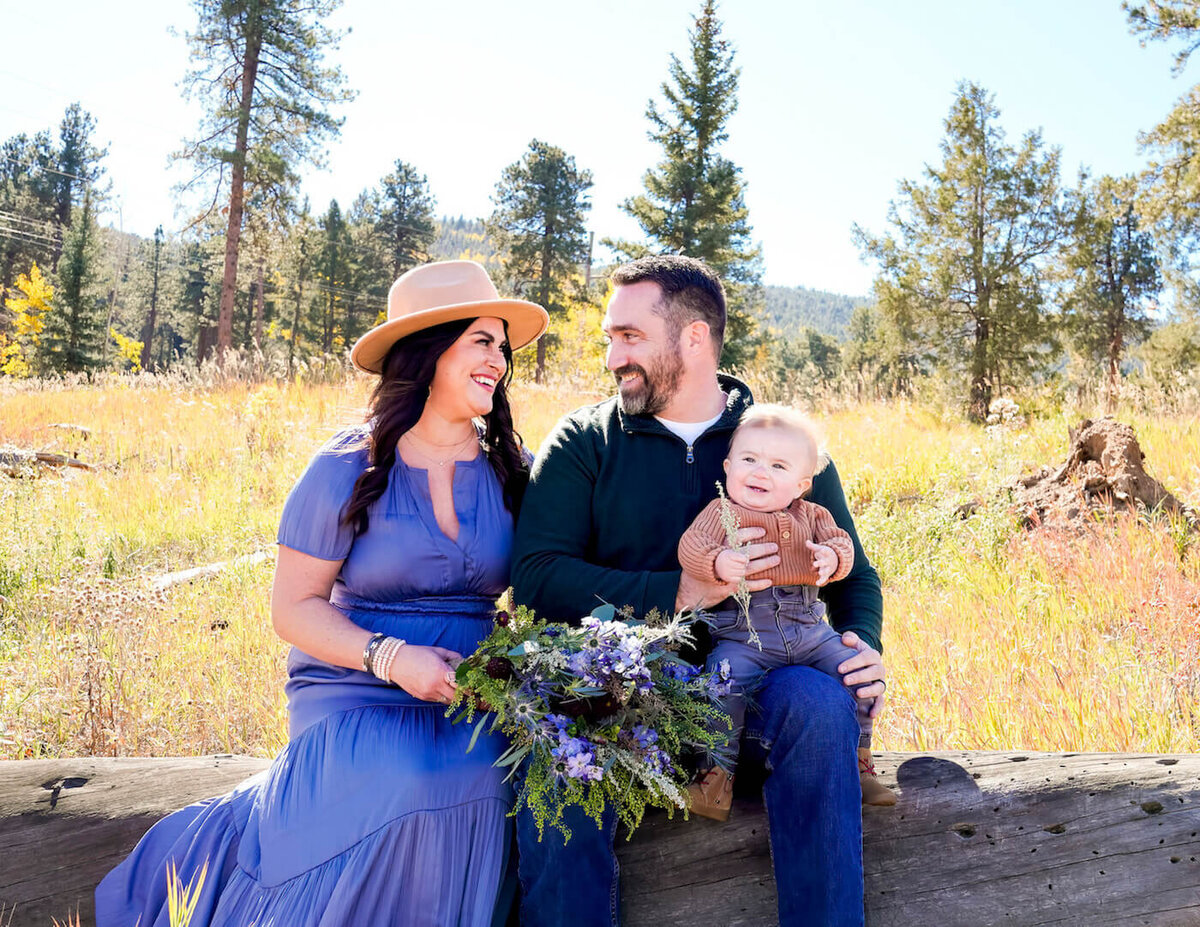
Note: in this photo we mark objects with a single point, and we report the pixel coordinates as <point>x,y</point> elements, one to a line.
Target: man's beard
<point>657,385</point>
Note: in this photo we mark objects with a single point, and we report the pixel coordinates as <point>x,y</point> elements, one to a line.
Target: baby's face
<point>767,468</point>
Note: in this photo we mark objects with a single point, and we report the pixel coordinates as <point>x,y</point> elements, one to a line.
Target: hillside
<point>792,308</point>
<point>462,239</point>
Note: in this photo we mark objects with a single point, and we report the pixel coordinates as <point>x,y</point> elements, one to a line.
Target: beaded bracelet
<point>370,651</point>
<point>387,656</point>
<point>383,659</point>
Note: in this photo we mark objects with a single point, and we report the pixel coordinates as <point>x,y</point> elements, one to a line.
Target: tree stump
<point>1103,472</point>
<point>976,839</point>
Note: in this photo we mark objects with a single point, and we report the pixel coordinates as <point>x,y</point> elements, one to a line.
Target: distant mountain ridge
<point>789,309</point>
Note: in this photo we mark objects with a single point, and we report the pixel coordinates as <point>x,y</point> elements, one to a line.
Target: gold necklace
<point>458,448</point>
<point>411,433</point>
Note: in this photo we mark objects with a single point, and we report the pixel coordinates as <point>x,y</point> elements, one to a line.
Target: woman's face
<point>467,374</point>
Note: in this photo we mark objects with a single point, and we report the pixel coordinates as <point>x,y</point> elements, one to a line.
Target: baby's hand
<point>731,565</point>
<point>825,561</point>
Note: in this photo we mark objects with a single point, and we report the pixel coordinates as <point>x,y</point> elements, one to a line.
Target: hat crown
<point>432,286</point>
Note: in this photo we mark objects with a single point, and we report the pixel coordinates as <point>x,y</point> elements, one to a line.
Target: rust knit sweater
<point>799,522</point>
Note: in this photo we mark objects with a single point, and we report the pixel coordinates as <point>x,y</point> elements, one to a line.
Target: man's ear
<point>695,336</point>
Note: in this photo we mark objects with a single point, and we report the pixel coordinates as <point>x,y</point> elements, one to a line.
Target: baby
<point>772,459</point>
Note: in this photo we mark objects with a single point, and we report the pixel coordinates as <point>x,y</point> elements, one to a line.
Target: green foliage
<point>405,221</point>
<point>1111,273</point>
<point>1166,19</point>
<point>259,73</point>
<point>29,231</point>
<point>790,309</point>
<point>1171,349</point>
<point>76,331</point>
<point>694,202</point>
<point>625,732</point>
<point>1170,185</point>
<point>538,226</point>
<point>78,171</point>
<point>963,269</point>
<point>464,240</point>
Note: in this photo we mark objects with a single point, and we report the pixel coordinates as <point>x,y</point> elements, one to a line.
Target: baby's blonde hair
<point>768,415</point>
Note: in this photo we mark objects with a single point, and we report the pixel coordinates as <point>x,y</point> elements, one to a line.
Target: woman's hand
<point>866,666</point>
<point>426,672</point>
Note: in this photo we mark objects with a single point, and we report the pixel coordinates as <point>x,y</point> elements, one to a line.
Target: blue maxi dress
<point>374,814</point>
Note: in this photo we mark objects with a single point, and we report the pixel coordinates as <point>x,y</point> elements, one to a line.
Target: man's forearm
<point>564,588</point>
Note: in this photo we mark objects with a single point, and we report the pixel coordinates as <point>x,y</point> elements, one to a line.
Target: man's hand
<point>696,593</point>
<point>866,666</point>
<point>730,565</point>
<point>825,559</point>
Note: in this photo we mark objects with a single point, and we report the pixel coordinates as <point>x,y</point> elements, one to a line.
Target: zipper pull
<point>691,458</point>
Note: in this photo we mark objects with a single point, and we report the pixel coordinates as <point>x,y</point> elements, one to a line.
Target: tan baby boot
<point>711,793</point>
<point>874,792</point>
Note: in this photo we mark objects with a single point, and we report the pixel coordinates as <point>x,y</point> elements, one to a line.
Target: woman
<point>394,545</point>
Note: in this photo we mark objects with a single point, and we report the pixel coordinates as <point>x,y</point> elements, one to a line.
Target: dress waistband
<point>459,606</point>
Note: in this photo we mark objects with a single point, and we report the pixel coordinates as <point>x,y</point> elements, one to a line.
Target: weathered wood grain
<point>1085,840</point>
<point>976,839</point>
<point>65,823</point>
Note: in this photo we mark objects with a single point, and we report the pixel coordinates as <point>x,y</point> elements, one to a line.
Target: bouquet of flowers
<point>596,714</point>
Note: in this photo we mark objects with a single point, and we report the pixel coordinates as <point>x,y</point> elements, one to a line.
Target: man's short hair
<point>691,291</point>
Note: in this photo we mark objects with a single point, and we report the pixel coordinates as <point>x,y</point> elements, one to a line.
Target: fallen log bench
<point>975,839</point>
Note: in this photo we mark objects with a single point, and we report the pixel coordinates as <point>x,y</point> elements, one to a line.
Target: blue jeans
<point>805,736</point>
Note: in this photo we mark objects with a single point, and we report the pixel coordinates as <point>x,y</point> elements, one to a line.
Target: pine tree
<point>77,327</point>
<point>1111,272</point>
<point>405,220</point>
<point>1170,185</point>
<point>694,202</point>
<point>964,268</point>
<point>152,309</point>
<point>77,170</point>
<point>538,224</point>
<point>260,74</point>
<point>333,272</point>
<point>28,230</point>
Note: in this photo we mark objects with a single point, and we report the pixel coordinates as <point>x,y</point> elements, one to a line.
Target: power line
<point>48,170</point>
<point>19,219</point>
<point>26,236</point>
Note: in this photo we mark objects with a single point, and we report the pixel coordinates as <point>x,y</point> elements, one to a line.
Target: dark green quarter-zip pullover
<point>611,494</point>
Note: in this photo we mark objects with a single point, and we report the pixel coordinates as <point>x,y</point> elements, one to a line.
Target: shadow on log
<point>976,839</point>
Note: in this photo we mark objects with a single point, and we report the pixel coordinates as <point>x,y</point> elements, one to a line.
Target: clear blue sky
<point>838,101</point>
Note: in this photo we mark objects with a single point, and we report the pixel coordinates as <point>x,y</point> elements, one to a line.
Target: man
<point>613,489</point>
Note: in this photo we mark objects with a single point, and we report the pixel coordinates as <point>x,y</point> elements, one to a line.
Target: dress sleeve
<point>312,516</point>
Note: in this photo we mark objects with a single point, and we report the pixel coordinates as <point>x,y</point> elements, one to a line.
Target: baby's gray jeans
<point>791,625</point>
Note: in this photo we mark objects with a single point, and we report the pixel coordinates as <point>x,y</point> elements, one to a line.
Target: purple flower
<point>645,736</point>
<point>720,682</point>
<point>581,767</point>
<point>659,761</point>
<point>681,672</point>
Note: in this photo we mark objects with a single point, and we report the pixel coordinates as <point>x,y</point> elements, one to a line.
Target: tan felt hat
<point>445,291</point>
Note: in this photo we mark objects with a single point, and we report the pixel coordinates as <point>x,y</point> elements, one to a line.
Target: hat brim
<point>526,323</point>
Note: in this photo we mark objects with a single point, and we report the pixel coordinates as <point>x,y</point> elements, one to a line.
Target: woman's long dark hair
<point>397,403</point>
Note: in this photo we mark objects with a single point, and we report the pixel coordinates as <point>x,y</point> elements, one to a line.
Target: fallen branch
<point>16,462</point>
<point>167,580</point>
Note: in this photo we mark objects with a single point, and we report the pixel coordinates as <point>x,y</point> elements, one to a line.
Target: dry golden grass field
<point>995,638</point>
